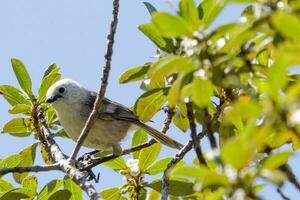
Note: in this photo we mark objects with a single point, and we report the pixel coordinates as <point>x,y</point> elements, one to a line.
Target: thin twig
<point>37,168</point>
<point>104,81</point>
<point>165,180</point>
<point>283,196</point>
<point>164,129</point>
<point>196,141</point>
<point>290,175</point>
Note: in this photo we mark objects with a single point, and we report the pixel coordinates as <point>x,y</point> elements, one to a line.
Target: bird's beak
<point>53,98</point>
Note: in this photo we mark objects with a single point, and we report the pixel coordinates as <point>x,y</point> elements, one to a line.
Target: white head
<point>66,92</point>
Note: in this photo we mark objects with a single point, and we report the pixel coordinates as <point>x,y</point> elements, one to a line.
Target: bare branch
<point>196,141</point>
<point>104,81</point>
<point>165,180</point>
<point>164,129</point>
<point>57,156</point>
<point>290,175</point>
<point>282,194</point>
<point>37,168</point>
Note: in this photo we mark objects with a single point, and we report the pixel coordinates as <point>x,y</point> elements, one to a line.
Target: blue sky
<point>72,34</point>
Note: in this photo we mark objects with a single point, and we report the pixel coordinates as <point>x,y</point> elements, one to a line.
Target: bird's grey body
<point>73,104</point>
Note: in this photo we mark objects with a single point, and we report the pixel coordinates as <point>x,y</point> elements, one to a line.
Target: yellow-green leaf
<point>22,76</point>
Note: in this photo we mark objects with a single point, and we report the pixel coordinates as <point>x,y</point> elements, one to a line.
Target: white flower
<point>190,46</point>
<point>213,153</point>
<point>201,73</point>
<point>197,187</point>
<point>294,118</point>
<point>239,194</point>
<point>230,172</point>
<point>133,165</point>
<point>243,19</point>
<point>280,5</point>
<point>221,42</point>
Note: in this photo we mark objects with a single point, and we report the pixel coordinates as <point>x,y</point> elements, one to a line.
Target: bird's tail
<point>160,137</point>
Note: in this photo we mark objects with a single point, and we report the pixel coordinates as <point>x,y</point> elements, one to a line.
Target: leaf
<point>74,189</point>
<point>46,83</point>
<point>169,65</point>
<point>276,176</point>
<point>116,164</point>
<point>148,155</point>
<point>22,76</point>
<point>20,108</point>
<point>178,186</point>
<point>180,119</point>
<point>135,74</point>
<point>15,194</point>
<point>61,194</point>
<point>111,194</point>
<point>18,127</point>
<point>10,161</point>
<point>149,103</point>
<point>287,24</point>
<point>189,12</point>
<point>13,95</point>
<point>209,10</point>
<point>170,25</point>
<point>156,37</point>
<point>51,69</point>
<point>190,171</point>
<point>276,160</point>
<point>49,189</point>
<point>139,137</point>
<point>5,186</point>
<point>31,184</point>
<point>28,157</point>
<point>212,179</point>
<point>154,195</point>
<point>158,166</point>
<point>202,92</point>
<point>150,7</point>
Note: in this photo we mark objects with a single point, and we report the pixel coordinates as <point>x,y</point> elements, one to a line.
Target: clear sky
<point>72,34</point>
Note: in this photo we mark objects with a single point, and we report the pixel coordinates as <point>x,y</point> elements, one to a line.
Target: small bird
<point>73,104</point>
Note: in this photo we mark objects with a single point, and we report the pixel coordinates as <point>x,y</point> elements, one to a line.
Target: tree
<point>235,81</point>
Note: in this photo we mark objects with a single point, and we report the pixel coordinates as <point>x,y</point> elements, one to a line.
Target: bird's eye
<point>61,90</point>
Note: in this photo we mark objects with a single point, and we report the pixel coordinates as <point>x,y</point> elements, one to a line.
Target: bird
<point>73,104</point>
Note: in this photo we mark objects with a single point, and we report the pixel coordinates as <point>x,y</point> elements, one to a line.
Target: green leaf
<point>31,184</point>
<point>209,10</point>
<point>150,7</point>
<point>148,155</point>
<point>180,119</point>
<point>46,83</point>
<point>61,194</point>
<point>139,137</point>
<point>190,171</point>
<point>5,186</point>
<point>202,92</point>
<point>156,37</point>
<point>158,166</point>
<point>149,104</point>
<point>75,189</point>
<point>28,157</point>
<point>189,12</point>
<point>169,65</point>
<point>49,189</point>
<point>287,24</point>
<point>22,76</point>
<point>258,187</point>
<point>10,161</point>
<point>178,186</point>
<point>15,194</point>
<point>111,194</point>
<point>135,74</point>
<point>18,127</point>
<point>154,195</point>
<point>276,176</point>
<point>170,25</point>
<point>13,95</point>
<point>20,108</point>
<point>212,179</point>
<point>276,160</point>
<point>116,164</point>
<point>51,69</point>
<point>263,57</point>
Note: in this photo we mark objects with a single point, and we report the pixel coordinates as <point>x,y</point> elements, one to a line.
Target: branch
<point>290,175</point>
<point>282,194</point>
<point>196,141</point>
<point>38,168</point>
<point>58,157</point>
<point>104,81</point>
<point>164,129</point>
<point>165,180</point>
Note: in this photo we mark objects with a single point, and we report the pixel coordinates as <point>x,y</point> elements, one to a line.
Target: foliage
<point>239,77</point>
